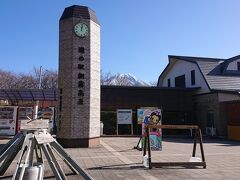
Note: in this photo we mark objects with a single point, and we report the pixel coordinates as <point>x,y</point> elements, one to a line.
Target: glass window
<point>169,82</point>
<point>180,81</point>
<point>193,81</point>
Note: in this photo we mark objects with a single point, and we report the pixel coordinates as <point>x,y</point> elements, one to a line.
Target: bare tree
<point>26,81</point>
<point>49,79</point>
<point>9,80</point>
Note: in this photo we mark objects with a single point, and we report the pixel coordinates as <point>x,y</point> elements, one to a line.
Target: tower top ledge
<point>79,12</point>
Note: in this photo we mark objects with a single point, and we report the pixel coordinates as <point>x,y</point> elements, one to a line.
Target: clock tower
<point>79,78</point>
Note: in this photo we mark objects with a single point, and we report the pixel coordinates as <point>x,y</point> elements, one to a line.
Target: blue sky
<point>136,35</point>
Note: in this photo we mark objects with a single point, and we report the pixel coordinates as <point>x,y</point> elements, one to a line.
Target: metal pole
<point>39,87</point>
<point>117,124</point>
<point>40,78</point>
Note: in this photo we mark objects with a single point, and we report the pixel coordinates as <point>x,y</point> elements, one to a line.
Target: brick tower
<point>79,78</point>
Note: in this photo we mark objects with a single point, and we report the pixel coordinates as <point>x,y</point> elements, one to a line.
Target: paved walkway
<point>116,159</point>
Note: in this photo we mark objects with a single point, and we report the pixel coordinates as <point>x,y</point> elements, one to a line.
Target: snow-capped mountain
<point>122,80</point>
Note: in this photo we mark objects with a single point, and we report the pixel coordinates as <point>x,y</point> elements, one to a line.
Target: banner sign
<point>152,116</point>
<point>124,116</point>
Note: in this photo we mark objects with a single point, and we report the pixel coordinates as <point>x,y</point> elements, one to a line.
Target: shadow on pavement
<point>6,177</point>
<point>119,167</point>
<point>67,174</point>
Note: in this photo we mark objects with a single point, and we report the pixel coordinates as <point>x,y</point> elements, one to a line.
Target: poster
<point>152,116</point>
<point>144,111</point>
<point>124,116</point>
<point>140,115</point>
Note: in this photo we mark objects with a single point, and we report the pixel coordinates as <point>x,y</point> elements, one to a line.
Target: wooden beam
<point>185,164</point>
<point>173,126</point>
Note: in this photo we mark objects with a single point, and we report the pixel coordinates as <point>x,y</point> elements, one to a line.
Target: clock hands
<point>81,29</point>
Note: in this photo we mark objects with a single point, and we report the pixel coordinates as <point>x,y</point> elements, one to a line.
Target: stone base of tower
<point>78,143</point>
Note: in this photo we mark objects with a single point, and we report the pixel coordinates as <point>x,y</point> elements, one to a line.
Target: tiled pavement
<point>116,159</point>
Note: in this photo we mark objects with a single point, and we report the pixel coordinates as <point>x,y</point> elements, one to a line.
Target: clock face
<point>81,29</point>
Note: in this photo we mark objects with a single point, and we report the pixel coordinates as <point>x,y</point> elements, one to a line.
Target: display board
<point>124,116</point>
<point>8,118</point>
<point>151,116</point>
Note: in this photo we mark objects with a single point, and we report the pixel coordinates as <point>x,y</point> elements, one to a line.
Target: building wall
<point>170,99</point>
<point>233,65</point>
<point>64,77</point>
<point>176,105</point>
<point>185,68</point>
<point>94,80</point>
<point>233,119</point>
<point>224,97</point>
<point>205,105</point>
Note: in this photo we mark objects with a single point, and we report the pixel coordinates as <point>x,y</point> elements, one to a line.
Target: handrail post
<point>149,148</point>
<point>195,142</point>
<point>145,145</point>
<point>201,146</point>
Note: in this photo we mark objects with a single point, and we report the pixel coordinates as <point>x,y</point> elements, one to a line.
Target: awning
<point>28,94</point>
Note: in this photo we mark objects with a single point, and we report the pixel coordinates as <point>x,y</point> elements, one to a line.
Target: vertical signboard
<point>124,116</point>
<point>151,116</point>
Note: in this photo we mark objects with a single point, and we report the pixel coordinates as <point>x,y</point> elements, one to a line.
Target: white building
<point>218,83</point>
